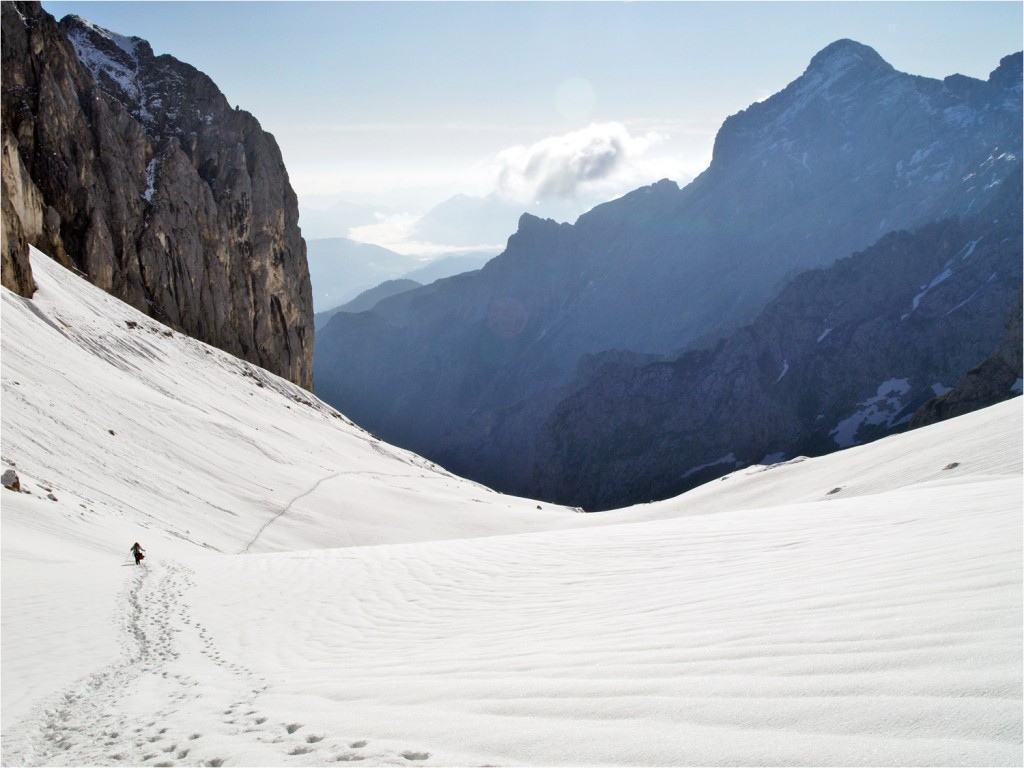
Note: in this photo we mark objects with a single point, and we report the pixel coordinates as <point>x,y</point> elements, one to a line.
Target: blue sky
<point>408,103</point>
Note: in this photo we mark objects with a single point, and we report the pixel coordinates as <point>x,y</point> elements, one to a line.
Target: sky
<point>403,104</point>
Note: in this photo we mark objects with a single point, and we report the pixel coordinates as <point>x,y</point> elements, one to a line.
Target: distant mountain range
<point>460,222</point>
<point>340,269</point>
<point>445,266</point>
<point>343,270</point>
<point>466,220</point>
<point>479,372</point>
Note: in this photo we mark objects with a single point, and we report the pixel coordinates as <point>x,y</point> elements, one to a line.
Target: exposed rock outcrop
<point>133,169</point>
<point>993,380</point>
<point>10,480</point>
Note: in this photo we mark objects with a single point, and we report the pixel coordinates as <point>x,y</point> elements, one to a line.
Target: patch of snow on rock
<point>785,370</point>
<point>150,181</point>
<point>729,458</point>
<point>883,408</point>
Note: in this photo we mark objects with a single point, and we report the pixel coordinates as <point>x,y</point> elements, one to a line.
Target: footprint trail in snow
<point>175,700</point>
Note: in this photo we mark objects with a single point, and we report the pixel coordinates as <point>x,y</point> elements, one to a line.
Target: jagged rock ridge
<point>134,169</point>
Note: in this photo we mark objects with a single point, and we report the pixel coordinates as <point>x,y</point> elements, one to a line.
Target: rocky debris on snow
<point>11,481</point>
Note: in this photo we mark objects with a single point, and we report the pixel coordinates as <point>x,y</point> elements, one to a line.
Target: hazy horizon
<point>407,104</point>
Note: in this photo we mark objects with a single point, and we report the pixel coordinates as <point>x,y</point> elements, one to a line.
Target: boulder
<point>10,480</point>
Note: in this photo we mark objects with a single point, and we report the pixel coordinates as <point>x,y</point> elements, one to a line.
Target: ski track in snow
<point>287,507</point>
<point>128,712</point>
<point>383,476</point>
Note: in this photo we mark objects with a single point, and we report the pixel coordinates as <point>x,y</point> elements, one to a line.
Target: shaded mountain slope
<point>994,379</point>
<point>842,356</point>
<point>468,370</point>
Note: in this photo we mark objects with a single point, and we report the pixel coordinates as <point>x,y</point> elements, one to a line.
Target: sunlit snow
<point>312,595</point>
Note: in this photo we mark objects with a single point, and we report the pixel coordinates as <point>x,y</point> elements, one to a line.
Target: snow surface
<point>312,595</point>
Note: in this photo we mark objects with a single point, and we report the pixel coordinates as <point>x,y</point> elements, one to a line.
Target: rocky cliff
<point>994,379</point>
<point>135,170</point>
<point>842,356</point>
<point>468,371</point>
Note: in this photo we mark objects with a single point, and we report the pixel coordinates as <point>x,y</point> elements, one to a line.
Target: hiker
<point>137,551</point>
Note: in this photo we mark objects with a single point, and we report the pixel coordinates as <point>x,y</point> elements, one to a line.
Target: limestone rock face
<point>134,169</point>
<point>22,220</point>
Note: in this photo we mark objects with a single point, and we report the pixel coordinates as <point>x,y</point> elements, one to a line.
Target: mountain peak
<point>83,32</point>
<point>843,55</point>
<point>1008,73</point>
<point>113,60</point>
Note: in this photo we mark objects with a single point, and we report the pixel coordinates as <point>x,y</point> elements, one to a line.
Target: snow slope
<point>314,596</point>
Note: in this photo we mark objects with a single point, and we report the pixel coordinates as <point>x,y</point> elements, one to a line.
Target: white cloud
<point>563,167</point>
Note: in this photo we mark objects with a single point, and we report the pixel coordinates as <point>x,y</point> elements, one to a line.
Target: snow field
<point>847,633</point>
<point>978,445</point>
<point>176,438</point>
<point>142,434</point>
<point>312,595</point>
